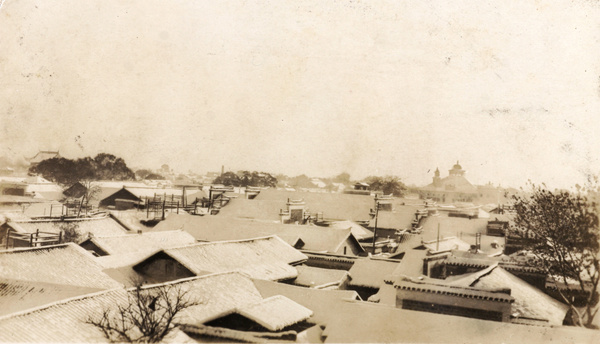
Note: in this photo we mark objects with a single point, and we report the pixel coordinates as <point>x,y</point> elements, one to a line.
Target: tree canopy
<point>246,178</point>
<point>387,185</point>
<point>67,172</point>
<point>561,229</point>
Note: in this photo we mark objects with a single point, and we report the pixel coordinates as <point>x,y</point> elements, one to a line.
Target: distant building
<point>455,188</point>
<point>43,155</point>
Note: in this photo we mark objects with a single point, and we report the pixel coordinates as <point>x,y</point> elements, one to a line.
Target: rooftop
<point>371,272</point>
<point>50,264</point>
<point>65,321</point>
<point>215,228</point>
<point>146,242</point>
<point>428,286</point>
<point>319,278</point>
<point>265,257</point>
<point>97,226</point>
<point>530,302</point>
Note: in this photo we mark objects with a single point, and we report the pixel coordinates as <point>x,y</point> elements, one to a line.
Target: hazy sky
<point>510,88</point>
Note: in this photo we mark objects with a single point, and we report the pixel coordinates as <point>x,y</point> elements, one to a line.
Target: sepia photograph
<point>299,171</point>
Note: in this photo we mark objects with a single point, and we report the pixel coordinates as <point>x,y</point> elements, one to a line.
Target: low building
<point>218,297</point>
<point>486,304</point>
<point>266,258</point>
<point>142,242</point>
<point>306,238</point>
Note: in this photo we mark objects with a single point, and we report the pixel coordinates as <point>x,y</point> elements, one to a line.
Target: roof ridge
<point>272,236</point>
<point>189,279</point>
<point>29,249</point>
<point>132,234</point>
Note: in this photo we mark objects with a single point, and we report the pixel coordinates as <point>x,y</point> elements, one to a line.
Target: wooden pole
<point>375,228</point>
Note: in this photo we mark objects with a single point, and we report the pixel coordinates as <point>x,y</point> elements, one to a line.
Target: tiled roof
<point>215,228</point>
<point>97,226</point>
<point>371,272</point>
<point>325,304</point>
<point>313,277</point>
<point>18,295</point>
<point>530,302</point>
<point>65,321</point>
<point>358,231</point>
<point>275,313</point>
<point>146,242</point>
<point>266,257</point>
<point>66,264</point>
<point>445,289</point>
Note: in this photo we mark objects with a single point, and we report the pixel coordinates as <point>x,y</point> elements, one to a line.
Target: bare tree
<point>90,193</point>
<point>561,229</point>
<point>146,317</point>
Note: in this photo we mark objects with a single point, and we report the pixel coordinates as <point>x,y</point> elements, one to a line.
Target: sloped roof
<point>411,264</point>
<point>325,304</point>
<point>275,313</point>
<point>309,276</point>
<point>66,264</point>
<point>65,321</point>
<point>530,302</point>
<point>266,257</point>
<point>215,228</point>
<point>18,295</point>
<point>97,226</point>
<point>446,244</point>
<point>357,230</point>
<point>371,272</point>
<point>43,155</point>
<point>146,242</point>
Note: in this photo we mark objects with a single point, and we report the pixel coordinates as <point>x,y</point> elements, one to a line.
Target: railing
<point>32,239</point>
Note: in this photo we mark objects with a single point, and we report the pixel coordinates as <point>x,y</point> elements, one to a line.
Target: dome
<point>457,166</point>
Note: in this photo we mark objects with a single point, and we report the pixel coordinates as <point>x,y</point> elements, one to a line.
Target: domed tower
<point>457,170</point>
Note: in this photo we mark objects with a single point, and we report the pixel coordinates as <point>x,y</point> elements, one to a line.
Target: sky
<point>511,89</point>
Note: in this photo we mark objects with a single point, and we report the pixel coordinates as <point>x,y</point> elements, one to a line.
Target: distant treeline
<point>67,171</point>
<point>246,178</point>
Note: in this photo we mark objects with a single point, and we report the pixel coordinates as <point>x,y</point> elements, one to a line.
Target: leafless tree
<point>561,229</point>
<point>146,317</point>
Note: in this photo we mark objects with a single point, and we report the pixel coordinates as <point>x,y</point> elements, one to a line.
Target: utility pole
<point>375,229</point>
